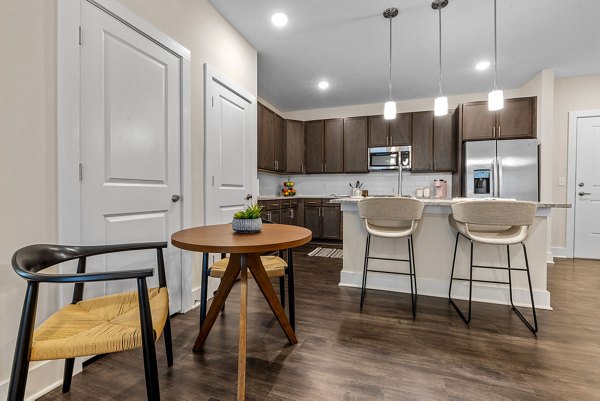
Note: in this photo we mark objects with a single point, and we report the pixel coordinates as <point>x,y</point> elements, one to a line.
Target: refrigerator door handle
<point>499,164</point>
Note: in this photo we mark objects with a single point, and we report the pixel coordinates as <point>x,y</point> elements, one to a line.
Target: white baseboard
<point>560,252</point>
<point>550,258</point>
<point>42,378</point>
<point>482,292</point>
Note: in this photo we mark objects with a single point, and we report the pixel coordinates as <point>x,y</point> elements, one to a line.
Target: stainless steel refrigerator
<point>502,169</point>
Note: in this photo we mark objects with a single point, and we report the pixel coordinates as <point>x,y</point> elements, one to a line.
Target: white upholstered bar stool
<point>493,222</point>
<point>391,218</point>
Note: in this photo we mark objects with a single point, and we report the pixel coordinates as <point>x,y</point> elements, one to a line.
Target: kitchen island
<point>434,246</point>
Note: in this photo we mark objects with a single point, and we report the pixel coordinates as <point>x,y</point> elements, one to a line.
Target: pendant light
<point>440,106</point>
<point>496,96</point>
<point>389,109</point>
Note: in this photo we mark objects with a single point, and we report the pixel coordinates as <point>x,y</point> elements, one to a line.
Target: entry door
<point>587,196</point>
<point>130,148</point>
<point>230,150</point>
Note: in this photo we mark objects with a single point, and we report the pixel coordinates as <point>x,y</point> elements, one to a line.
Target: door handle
<point>248,197</point>
<point>175,198</point>
<point>584,193</point>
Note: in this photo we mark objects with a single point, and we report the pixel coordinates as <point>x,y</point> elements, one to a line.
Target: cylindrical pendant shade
<point>495,100</point>
<point>389,110</point>
<point>440,107</point>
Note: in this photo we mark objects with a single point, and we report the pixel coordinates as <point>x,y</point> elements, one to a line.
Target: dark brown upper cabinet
<point>294,146</point>
<point>334,145</point>
<point>355,145</point>
<point>516,120</point>
<point>270,140</point>
<point>422,141</point>
<point>279,143</point>
<point>266,160</point>
<point>444,142</point>
<point>396,132</point>
<point>315,146</point>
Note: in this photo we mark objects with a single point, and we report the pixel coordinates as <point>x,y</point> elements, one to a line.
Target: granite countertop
<point>278,197</point>
<point>450,202</point>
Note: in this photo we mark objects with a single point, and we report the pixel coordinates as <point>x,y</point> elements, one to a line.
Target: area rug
<point>328,253</point>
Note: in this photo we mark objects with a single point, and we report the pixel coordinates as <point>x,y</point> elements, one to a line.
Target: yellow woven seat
<point>98,326</point>
<point>274,266</point>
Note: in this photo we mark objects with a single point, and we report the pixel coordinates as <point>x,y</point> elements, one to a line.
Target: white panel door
<point>230,151</point>
<point>130,148</point>
<point>587,197</point>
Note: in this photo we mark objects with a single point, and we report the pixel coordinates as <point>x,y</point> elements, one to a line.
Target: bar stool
<point>493,222</point>
<point>391,218</point>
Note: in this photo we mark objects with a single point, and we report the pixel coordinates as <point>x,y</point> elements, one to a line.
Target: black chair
<point>29,261</point>
<point>289,272</point>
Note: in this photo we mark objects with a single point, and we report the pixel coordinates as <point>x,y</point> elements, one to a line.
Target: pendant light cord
<point>390,77</point>
<point>440,25</point>
<point>495,50</point>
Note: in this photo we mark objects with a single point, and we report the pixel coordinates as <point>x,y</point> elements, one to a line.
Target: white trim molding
<point>574,116</point>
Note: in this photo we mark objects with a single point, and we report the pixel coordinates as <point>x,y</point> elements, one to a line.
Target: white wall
<point>28,155</point>
<point>570,94</point>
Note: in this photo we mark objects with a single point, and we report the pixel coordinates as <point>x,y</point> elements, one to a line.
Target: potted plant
<point>248,220</point>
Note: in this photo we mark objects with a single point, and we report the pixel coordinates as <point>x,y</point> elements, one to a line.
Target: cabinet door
<point>401,130</point>
<point>477,121</point>
<point>274,216</point>
<point>312,220</point>
<point>378,132</point>
<point>422,141</point>
<point>314,146</point>
<point>517,119</point>
<point>266,160</point>
<point>279,143</point>
<point>334,146</point>
<point>285,216</point>
<point>444,143</point>
<point>330,220</point>
<point>355,145</point>
<point>294,146</point>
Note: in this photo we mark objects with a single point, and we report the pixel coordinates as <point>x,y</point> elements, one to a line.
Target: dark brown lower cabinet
<point>312,220</point>
<point>289,216</point>
<point>330,222</point>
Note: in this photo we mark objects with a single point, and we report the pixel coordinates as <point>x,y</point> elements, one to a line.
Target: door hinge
<point>80,172</point>
<point>212,100</point>
<point>80,35</point>
<point>213,180</point>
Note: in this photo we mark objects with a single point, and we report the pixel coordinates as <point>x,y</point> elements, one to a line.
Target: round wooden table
<point>245,251</point>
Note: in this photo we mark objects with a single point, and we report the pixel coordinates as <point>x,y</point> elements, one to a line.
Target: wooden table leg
<point>241,389</point>
<point>227,281</point>
<point>262,280</point>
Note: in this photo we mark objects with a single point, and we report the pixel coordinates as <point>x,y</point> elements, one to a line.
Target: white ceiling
<point>346,42</point>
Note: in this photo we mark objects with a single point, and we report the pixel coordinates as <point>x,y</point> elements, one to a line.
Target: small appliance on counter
<point>441,189</point>
<point>288,188</point>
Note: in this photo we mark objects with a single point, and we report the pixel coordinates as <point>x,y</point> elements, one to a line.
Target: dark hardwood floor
<point>380,354</point>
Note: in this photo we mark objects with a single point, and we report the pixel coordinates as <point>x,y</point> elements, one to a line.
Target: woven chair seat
<point>274,266</point>
<point>98,326</point>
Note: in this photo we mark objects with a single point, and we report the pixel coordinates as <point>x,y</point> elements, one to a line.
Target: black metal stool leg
<point>414,267</point>
<point>465,319</point>
<point>364,279</point>
<point>453,262</point>
<point>533,328</point>
<point>150,367</point>
<point>410,276</point>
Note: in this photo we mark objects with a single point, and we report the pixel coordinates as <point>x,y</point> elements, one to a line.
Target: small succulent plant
<point>251,212</point>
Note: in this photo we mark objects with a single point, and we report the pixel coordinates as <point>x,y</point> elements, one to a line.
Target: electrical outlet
<point>562,181</point>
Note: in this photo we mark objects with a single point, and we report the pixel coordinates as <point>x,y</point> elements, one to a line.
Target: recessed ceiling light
<point>482,65</point>
<point>279,19</point>
<point>323,85</point>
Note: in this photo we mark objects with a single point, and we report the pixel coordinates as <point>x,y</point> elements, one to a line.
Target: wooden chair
<point>275,266</point>
<point>94,326</point>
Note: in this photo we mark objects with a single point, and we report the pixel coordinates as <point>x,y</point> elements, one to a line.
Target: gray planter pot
<point>246,226</point>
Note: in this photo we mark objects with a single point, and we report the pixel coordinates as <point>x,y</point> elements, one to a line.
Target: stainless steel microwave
<point>390,158</point>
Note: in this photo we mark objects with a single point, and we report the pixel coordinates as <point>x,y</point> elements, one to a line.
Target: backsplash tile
<point>377,183</point>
